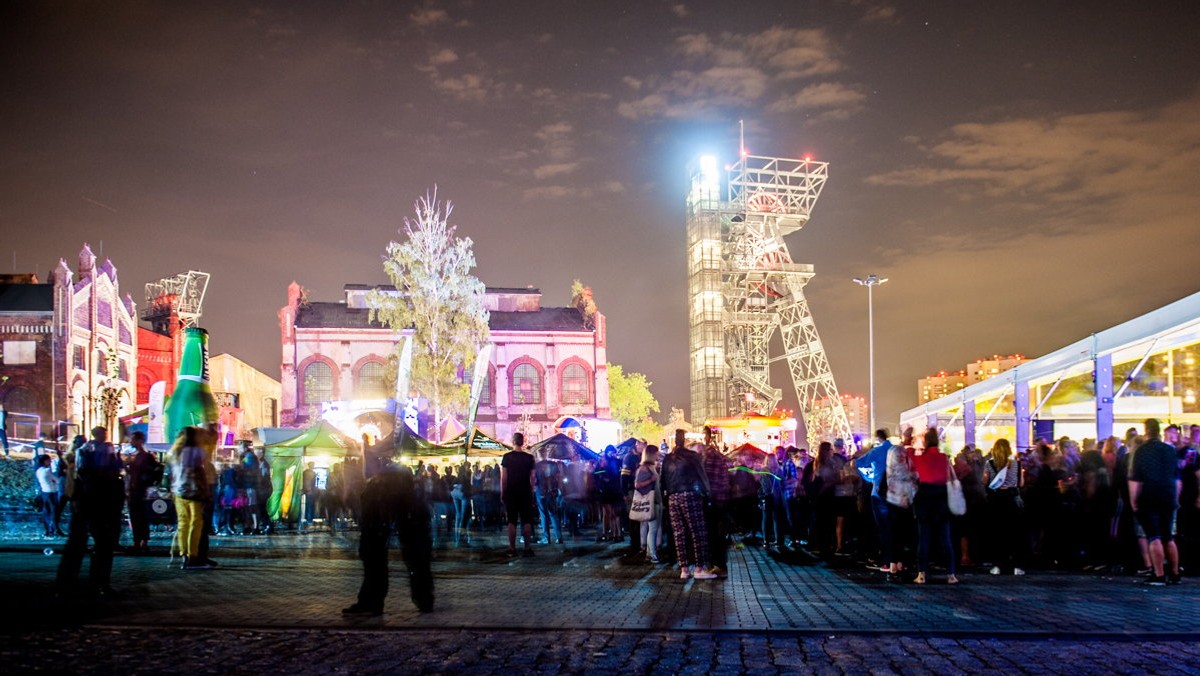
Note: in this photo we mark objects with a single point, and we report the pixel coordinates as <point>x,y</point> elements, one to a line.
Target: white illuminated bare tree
<point>439,299</point>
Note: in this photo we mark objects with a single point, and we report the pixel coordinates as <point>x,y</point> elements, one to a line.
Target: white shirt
<point>46,479</point>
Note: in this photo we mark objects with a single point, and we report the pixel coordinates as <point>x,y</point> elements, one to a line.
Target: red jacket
<point>932,467</point>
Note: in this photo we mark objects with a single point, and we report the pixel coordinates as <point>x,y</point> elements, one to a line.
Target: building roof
<point>26,298</point>
<point>490,289</point>
<point>323,315</point>
<point>545,319</point>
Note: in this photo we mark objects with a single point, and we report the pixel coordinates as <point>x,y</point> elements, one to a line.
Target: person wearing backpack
<point>192,487</point>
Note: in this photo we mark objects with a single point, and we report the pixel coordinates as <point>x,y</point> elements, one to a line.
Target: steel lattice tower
<point>743,286</point>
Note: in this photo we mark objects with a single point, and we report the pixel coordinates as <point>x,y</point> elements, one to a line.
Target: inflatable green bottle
<point>192,403</point>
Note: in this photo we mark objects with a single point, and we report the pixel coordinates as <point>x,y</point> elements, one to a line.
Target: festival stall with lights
<point>322,444</point>
<point>405,446</point>
<point>763,431</point>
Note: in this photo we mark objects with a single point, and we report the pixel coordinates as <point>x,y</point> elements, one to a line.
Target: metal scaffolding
<point>743,286</point>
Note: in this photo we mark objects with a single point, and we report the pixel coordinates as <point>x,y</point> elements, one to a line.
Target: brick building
<point>69,345</point>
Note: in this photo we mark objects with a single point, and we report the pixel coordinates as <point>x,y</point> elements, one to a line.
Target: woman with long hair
<point>1002,475</point>
<point>646,480</point>
<point>827,473</point>
<point>901,489</point>
<point>932,506</point>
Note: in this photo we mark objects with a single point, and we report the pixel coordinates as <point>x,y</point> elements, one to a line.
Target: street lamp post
<point>871,281</point>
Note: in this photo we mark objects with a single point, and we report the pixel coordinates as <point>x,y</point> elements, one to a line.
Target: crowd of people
<point>906,509</point>
<point>901,508</point>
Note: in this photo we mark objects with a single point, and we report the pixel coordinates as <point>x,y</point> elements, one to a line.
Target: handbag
<point>641,508</point>
<point>954,492</point>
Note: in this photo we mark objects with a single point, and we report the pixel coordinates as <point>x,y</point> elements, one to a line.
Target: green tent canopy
<point>287,464</point>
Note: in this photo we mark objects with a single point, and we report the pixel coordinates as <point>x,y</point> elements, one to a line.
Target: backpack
<point>192,483</point>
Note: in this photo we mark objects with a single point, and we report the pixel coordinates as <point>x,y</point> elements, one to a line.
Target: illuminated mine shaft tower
<point>743,286</point>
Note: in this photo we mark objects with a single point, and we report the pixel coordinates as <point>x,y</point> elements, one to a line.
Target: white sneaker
<point>704,574</point>
<point>685,572</point>
<point>995,570</point>
<point>1018,571</point>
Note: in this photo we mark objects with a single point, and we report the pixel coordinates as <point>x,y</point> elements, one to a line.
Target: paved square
<point>593,607</point>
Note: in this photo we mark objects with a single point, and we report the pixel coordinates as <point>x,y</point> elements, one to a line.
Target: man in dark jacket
<point>96,511</point>
<point>389,500</point>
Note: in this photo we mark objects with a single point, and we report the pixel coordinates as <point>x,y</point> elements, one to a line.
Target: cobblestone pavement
<point>273,605</point>
<point>209,651</point>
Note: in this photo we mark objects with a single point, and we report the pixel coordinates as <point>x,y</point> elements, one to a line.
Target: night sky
<point>1025,173</point>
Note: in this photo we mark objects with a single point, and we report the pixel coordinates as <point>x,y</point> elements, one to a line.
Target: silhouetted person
<point>389,500</point>
<point>96,511</point>
<point>145,471</point>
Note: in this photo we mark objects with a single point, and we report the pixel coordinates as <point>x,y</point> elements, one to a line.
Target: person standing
<point>192,486</point>
<point>99,494</point>
<point>549,497</point>
<point>686,485</point>
<point>629,466</point>
<point>516,493</point>
<point>1154,487</point>
<point>646,480</point>
<point>248,483</point>
<point>4,429</point>
<point>932,506</point>
<point>1003,477</point>
<point>716,508</point>
<point>873,466</point>
<point>389,501</point>
<point>48,487</point>
<point>63,466</point>
<point>265,489</point>
<point>309,487</point>
<point>144,473</point>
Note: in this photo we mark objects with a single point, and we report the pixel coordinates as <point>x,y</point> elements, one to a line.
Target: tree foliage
<point>632,403</point>
<point>439,299</point>
<point>581,298</point>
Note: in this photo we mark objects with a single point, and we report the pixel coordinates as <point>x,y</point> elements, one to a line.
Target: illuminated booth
<point>1147,367</point>
<point>763,431</point>
<point>404,447</point>
<point>322,444</point>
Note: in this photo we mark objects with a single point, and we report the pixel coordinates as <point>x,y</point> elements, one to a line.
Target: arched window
<point>574,385</point>
<point>101,363</point>
<point>371,383</point>
<point>318,383</point>
<point>526,385</point>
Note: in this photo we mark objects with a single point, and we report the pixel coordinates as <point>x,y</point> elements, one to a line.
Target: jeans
<point>548,509</point>
<point>460,509</point>
<point>879,509</point>
<point>49,502</point>
<point>651,536</point>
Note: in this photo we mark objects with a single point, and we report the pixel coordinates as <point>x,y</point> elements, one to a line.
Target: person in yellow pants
<point>192,486</point>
